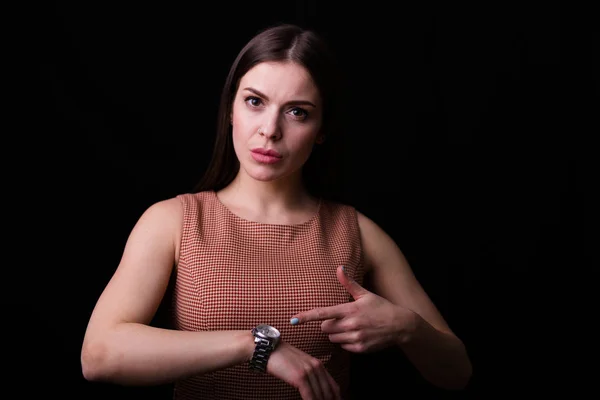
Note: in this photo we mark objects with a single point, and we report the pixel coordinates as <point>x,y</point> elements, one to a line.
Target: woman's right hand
<point>302,371</point>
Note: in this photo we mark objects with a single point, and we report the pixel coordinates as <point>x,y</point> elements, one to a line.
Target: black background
<point>461,144</point>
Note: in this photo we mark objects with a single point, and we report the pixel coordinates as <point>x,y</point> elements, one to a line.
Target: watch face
<point>268,331</point>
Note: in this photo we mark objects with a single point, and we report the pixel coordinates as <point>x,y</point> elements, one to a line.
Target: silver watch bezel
<point>258,335</point>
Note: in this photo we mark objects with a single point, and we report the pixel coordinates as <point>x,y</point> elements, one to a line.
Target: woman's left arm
<point>401,313</point>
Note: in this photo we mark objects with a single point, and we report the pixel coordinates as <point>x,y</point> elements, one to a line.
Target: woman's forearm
<point>136,354</point>
<point>440,357</point>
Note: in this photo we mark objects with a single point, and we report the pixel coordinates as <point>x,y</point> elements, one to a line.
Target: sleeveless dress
<point>235,274</point>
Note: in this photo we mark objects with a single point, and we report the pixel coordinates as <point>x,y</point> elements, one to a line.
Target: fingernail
<point>294,321</point>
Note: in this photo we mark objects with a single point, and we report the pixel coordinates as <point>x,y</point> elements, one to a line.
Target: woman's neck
<point>274,201</point>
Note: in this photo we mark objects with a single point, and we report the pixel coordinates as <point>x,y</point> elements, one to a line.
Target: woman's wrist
<point>245,342</point>
<point>408,326</point>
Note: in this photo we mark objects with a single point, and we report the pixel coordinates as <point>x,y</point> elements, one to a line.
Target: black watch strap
<point>262,352</point>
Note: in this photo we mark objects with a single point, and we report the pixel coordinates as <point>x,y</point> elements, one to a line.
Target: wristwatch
<point>266,339</point>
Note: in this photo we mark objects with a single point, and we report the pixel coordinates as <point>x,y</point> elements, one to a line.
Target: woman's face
<point>277,108</point>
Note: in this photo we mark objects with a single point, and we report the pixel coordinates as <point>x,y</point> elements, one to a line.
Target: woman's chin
<point>265,173</point>
<point>268,174</point>
<point>263,176</point>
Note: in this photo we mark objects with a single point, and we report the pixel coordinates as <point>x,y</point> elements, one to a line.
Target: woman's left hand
<point>367,324</point>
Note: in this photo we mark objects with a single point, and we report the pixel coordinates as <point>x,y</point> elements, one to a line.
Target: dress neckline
<point>248,221</point>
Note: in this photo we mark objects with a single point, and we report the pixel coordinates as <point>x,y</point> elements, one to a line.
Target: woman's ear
<point>320,139</point>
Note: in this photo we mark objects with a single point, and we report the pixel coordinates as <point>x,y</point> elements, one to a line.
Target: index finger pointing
<point>319,314</point>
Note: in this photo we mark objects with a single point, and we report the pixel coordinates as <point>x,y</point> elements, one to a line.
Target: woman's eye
<point>253,101</point>
<point>299,113</point>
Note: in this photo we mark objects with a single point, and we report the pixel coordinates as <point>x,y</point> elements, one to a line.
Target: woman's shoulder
<point>176,206</point>
<point>341,212</point>
<point>194,196</point>
<point>336,204</point>
<point>164,210</point>
<point>367,225</point>
<point>339,206</point>
<point>194,201</point>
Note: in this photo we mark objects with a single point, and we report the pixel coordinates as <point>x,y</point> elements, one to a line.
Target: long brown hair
<point>283,42</point>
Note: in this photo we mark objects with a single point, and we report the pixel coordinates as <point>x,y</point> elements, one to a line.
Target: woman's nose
<point>270,128</point>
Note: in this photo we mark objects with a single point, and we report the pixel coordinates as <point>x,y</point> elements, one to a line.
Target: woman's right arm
<point>119,345</point>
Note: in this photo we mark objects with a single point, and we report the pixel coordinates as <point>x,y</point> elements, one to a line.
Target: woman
<point>266,274</point>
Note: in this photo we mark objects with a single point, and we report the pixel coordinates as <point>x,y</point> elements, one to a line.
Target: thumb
<point>350,284</point>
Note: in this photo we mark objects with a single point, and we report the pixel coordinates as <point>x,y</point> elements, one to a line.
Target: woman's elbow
<point>460,380</point>
<point>95,361</point>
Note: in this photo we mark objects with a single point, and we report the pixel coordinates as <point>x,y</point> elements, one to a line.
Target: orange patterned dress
<point>234,274</point>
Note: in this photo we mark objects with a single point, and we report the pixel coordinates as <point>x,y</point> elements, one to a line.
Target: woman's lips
<point>262,158</point>
<point>265,156</point>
